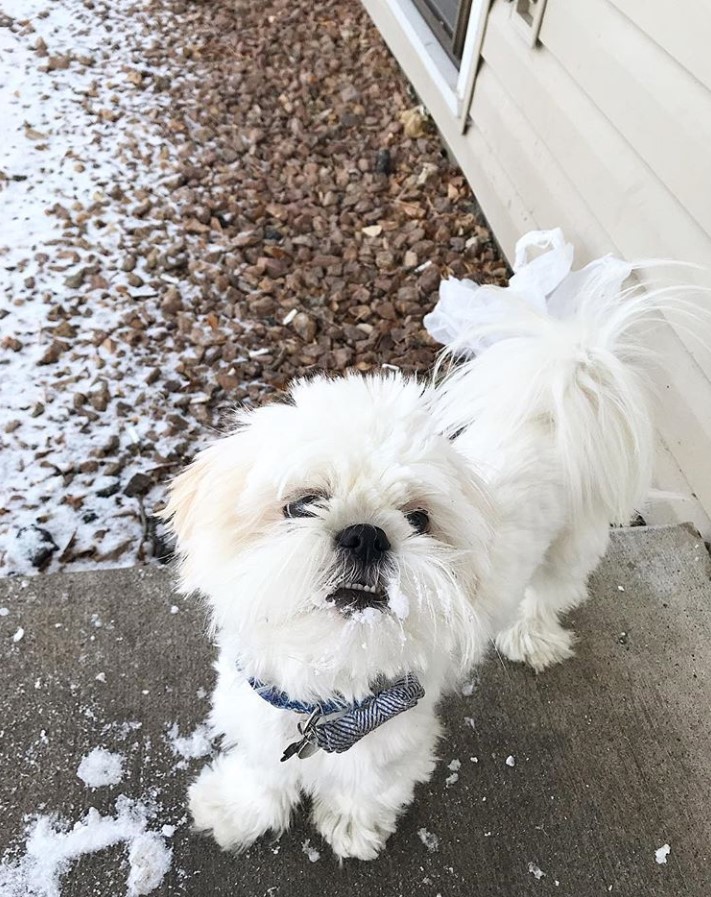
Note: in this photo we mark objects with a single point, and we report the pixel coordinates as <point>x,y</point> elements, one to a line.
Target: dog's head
<point>337,536</point>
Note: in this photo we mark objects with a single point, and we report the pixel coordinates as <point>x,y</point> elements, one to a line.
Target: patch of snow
<point>52,846</point>
<point>190,747</point>
<point>399,604</point>
<point>149,858</point>
<point>4,611</point>
<point>311,852</point>
<point>174,608</point>
<point>100,768</point>
<point>468,689</point>
<point>455,765</point>
<point>429,839</point>
<point>19,635</point>
<point>536,872</point>
<point>661,854</point>
<point>369,615</point>
<point>451,780</point>
<point>510,760</point>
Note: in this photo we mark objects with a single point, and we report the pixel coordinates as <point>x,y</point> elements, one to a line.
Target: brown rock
<point>305,326</point>
<point>53,353</point>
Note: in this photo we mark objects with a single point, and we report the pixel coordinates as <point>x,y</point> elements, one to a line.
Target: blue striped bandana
<point>335,726</point>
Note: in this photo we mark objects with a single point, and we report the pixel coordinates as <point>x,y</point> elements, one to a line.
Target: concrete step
<point>611,750</point>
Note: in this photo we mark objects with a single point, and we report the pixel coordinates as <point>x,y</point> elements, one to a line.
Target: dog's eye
<point>301,507</point>
<point>419,520</point>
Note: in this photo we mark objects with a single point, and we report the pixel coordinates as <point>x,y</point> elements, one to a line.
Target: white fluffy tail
<point>583,372</point>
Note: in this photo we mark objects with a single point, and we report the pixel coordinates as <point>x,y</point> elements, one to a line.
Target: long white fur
<point>522,457</point>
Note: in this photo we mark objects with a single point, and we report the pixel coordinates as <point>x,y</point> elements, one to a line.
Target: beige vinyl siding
<point>682,29</point>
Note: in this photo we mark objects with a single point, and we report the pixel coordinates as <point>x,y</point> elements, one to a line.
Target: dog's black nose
<point>367,543</point>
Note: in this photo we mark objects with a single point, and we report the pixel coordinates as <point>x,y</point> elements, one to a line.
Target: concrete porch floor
<point>612,750</point>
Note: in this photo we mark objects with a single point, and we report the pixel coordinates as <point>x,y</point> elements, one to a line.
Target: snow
<point>661,854</point>
<point>4,611</point>
<point>100,768</point>
<point>454,768</point>
<point>369,616</point>
<point>399,604</point>
<point>149,859</point>
<point>190,747</point>
<point>19,635</point>
<point>68,141</point>
<point>510,760</point>
<point>430,840</point>
<point>536,872</point>
<point>311,852</point>
<point>52,846</point>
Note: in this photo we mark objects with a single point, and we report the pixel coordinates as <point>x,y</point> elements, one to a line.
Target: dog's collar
<point>349,721</point>
<point>282,701</point>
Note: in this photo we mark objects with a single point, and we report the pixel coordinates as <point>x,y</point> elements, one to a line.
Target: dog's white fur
<point>522,457</point>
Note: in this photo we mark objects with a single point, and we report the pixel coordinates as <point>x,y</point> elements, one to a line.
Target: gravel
<point>202,201</point>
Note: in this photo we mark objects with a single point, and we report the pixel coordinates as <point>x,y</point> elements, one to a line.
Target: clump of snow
<point>536,872</point>
<point>52,846</point>
<point>429,839</point>
<point>369,615</point>
<point>661,854</point>
<point>454,768</point>
<point>399,604</point>
<point>19,635</point>
<point>101,767</point>
<point>174,608</point>
<point>510,760</point>
<point>468,689</point>
<point>4,611</point>
<point>190,747</point>
<point>311,852</point>
<point>149,858</point>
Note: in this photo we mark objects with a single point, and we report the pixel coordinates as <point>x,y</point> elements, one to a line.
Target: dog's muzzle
<point>362,550</point>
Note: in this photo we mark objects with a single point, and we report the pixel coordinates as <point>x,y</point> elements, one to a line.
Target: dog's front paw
<point>353,833</point>
<point>230,802</point>
<point>538,643</point>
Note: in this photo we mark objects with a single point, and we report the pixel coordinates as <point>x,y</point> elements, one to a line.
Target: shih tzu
<point>362,543</point>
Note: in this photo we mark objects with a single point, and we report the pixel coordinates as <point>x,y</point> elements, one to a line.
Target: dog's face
<point>338,537</point>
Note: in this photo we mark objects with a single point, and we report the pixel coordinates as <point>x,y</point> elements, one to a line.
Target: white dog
<point>361,544</point>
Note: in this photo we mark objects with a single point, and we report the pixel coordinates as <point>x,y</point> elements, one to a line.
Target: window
<point>448,20</point>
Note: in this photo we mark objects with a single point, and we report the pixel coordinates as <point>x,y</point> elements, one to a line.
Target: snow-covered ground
<point>80,150</point>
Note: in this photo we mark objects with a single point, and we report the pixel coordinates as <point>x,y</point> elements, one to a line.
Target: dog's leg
<point>360,794</point>
<point>237,801</point>
<point>559,584</point>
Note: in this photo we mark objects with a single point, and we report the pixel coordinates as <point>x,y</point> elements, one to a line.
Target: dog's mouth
<point>350,597</point>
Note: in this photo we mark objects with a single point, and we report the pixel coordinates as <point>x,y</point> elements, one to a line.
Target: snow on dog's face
<point>337,537</point>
